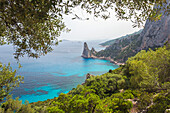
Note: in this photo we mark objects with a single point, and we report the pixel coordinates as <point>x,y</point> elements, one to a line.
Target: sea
<point>57,72</point>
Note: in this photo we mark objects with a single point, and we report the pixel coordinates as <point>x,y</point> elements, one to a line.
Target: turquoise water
<point>57,72</point>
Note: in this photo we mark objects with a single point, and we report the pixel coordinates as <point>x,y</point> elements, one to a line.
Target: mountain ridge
<point>110,42</point>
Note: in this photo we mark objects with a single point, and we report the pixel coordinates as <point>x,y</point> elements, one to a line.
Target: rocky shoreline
<point>111,60</point>
<point>105,58</point>
<point>92,54</point>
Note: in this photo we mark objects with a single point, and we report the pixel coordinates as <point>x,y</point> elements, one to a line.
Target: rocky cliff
<point>88,53</point>
<point>154,34</point>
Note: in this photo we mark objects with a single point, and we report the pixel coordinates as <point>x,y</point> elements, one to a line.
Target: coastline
<point>105,58</point>
<point>104,46</point>
<point>87,53</point>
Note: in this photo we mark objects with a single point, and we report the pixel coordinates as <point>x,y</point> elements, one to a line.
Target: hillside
<point>141,85</point>
<point>110,42</point>
<point>121,49</point>
<point>154,34</point>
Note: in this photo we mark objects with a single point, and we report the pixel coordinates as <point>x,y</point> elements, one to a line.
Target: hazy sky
<point>96,28</point>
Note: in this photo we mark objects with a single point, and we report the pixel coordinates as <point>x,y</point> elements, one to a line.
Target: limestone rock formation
<point>155,34</point>
<point>93,51</point>
<point>88,53</point>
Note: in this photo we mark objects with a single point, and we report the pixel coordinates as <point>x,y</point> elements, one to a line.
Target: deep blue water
<point>57,72</point>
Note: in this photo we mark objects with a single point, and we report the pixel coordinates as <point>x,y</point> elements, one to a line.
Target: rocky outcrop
<point>88,75</point>
<point>88,53</point>
<point>93,51</point>
<point>93,54</point>
<point>155,34</point>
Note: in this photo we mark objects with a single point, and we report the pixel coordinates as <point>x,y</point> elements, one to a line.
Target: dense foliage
<point>8,80</point>
<point>141,85</point>
<point>150,70</point>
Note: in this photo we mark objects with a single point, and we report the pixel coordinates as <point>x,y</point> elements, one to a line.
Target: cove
<point>55,73</point>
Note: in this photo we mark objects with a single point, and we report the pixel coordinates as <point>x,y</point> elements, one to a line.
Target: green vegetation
<point>161,101</point>
<point>32,27</point>
<point>150,70</point>
<point>121,49</point>
<point>142,84</point>
<point>8,80</point>
<point>111,42</point>
<point>11,106</point>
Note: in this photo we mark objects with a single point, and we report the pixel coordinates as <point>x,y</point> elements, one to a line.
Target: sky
<point>96,28</point>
